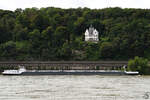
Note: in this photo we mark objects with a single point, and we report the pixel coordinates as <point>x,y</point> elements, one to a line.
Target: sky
<point>14,4</point>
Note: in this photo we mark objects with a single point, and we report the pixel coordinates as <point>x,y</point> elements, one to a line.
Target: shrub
<point>139,64</point>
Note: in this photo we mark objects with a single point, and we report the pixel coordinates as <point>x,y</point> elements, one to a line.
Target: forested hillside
<point>58,34</point>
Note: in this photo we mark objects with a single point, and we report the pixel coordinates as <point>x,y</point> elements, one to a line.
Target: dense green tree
<point>65,52</point>
<point>8,49</point>
<point>91,52</point>
<point>139,64</point>
<point>79,26</point>
<point>61,35</point>
<point>107,51</point>
<point>20,33</point>
<point>48,33</point>
<point>23,50</point>
<point>58,34</point>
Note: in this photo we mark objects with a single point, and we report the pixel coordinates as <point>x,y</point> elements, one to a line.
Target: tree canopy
<point>58,34</point>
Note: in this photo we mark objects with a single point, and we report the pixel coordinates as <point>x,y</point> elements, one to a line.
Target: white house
<point>91,34</point>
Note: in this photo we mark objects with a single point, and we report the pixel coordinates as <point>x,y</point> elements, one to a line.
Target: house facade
<point>91,34</point>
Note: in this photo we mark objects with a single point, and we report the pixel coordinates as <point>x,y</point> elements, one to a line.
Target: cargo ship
<point>23,71</point>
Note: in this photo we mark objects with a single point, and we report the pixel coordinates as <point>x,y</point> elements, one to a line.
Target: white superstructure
<point>91,34</point>
<point>14,72</point>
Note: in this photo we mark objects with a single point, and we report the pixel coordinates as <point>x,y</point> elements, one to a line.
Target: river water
<point>70,87</point>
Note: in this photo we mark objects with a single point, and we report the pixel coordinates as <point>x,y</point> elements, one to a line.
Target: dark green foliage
<point>107,50</point>
<point>58,34</point>
<point>139,64</point>
<point>8,49</point>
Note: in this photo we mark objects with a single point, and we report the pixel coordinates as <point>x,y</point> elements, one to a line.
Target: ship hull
<point>73,73</point>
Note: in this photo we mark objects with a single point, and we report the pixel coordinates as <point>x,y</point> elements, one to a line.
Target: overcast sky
<point>13,4</point>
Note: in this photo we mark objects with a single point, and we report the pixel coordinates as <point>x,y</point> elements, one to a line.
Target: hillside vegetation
<point>58,34</point>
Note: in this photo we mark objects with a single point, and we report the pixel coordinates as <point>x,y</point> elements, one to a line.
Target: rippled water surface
<point>69,87</point>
